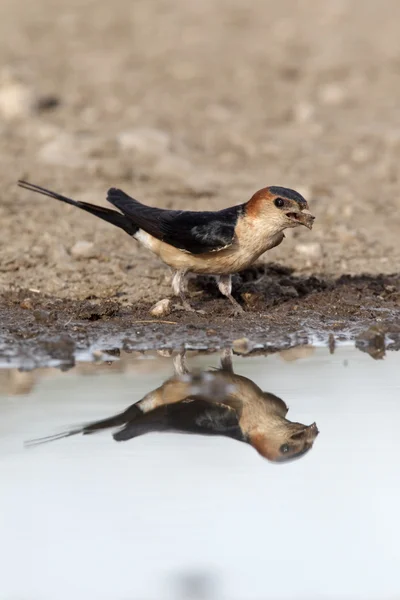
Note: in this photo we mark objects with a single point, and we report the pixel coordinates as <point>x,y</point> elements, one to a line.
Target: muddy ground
<point>197,105</point>
<point>287,310</point>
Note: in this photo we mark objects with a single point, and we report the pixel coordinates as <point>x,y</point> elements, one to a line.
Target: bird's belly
<point>221,262</point>
<point>235,258</point>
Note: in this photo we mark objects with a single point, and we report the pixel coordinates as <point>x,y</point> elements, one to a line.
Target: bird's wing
<point>216,418</point>
<point>194,232</point>
<point>188,416</point>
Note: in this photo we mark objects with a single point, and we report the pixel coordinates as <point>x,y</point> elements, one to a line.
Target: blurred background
<point>197,105</point>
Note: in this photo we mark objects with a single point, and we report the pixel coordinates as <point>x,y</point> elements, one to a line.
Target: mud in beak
<point>312,432</point>
<point>302,218</point>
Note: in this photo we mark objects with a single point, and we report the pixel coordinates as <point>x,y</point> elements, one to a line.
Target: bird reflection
<point>214,402</point>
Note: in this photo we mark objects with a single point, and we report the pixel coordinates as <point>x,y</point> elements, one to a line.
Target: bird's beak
<point>312,431</point>
<point>302,218</point>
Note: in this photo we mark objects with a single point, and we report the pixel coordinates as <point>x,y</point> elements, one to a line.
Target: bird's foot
<point>186,306</point>
<point>237,309</point>
<point>191,309</point>
<point>234,312</point>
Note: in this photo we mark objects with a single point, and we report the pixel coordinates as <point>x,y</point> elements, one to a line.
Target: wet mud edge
<point>282,310</point>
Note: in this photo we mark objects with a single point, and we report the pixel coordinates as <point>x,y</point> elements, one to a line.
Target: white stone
<point>16,100</point>
<point>332,94</point>
<point>83,249</point>
<point>162,308</point>
<point>241,346</point>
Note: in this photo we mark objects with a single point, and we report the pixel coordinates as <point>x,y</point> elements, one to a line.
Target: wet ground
<point>282,310</point>
<point>171,515</point>
<point>303,95</point>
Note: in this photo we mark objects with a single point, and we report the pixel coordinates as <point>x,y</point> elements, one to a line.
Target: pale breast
<point>253,407</point>
<point>249,244</point>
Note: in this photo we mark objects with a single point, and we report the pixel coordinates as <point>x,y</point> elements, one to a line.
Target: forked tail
<point>107,214</point>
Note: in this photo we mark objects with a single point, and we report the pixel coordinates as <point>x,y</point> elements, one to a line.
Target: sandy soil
<point>196,105</point>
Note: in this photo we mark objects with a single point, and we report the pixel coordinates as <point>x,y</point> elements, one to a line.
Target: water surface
<point>171,515</point>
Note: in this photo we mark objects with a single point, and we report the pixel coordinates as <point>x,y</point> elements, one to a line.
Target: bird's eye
<point>284,449</point>
<point>279,202</point>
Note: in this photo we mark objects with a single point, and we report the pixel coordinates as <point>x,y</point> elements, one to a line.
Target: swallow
<point>217,402</point>
<point>218,243</point>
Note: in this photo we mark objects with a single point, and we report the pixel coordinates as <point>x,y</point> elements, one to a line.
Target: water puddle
<point>168,513</point>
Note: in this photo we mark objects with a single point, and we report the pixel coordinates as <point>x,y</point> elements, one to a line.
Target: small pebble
<point>26,304</point>
<point>165,353</point>
<point>162,308</point>
<point>98,355</point>
<point>390,288</point>
<point>252,299</point>
<point>83,249</point>
<point>16,100</point>
<point>348,211</point>
<point>372,341</point>
<point>332,94</point>
<point>241,346</point>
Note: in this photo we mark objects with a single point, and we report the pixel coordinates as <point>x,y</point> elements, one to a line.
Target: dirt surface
<point>286,311</point>
<point>197,105</point>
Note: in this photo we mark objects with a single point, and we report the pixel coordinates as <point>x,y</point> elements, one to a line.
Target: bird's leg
<point>226,360</point>
<point>179,287</point>
<point>225,287</point>
<point>180,365</point>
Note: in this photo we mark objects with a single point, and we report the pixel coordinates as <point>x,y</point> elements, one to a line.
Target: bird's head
<point>280,207</point>
<point>285,441</point>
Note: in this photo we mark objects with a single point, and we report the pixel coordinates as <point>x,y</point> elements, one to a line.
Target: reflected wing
<point>189,416</point>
